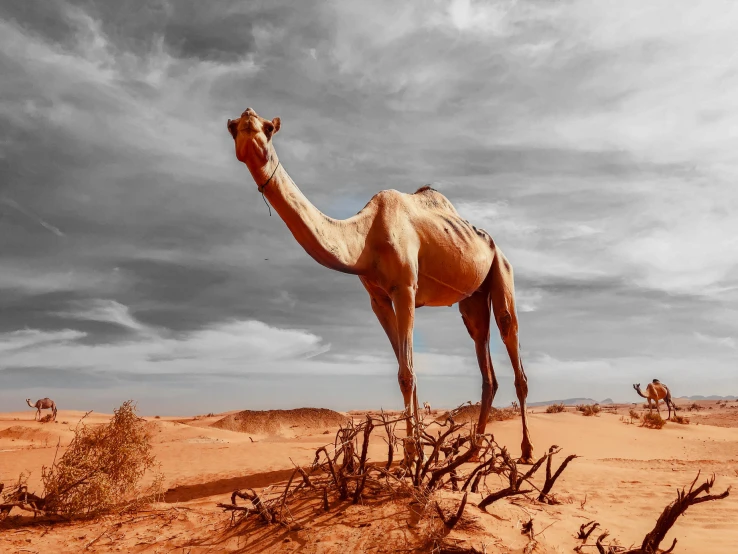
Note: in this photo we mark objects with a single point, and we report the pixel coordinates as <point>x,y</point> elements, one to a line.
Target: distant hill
<point>574,401</point>
<point>711,397</point>
<point>567,401</point>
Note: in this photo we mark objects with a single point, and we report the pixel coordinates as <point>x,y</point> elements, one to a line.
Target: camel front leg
<point>404,306</point>
<point>382,308</point>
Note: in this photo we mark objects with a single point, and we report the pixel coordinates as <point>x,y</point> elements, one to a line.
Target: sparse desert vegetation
<point>555,408</point>
<point>101,469</point>
<point>652,421</point>
<point>589,409</point>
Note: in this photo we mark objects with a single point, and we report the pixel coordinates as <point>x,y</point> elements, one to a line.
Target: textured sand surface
<point>625,477</point>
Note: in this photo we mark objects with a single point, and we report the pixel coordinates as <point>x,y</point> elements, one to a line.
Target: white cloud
<point>104,310</point>
<point>15,341</point>
<point>528,300</point>
<point>728,342</point>
<point>233,347</point>
<point>32,278</point>
<point>479,16</point>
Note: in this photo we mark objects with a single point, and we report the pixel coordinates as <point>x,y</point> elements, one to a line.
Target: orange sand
<point>624,479</point>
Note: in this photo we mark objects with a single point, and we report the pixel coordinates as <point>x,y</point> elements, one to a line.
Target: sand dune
<point>280,422</point>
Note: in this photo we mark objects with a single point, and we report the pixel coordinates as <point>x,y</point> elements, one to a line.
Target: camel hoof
<point>525,460</point>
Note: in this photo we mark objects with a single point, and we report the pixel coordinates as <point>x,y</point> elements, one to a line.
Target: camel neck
<point>335,244</point>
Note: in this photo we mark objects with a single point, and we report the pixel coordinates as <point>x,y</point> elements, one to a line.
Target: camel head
<point>252,135</point>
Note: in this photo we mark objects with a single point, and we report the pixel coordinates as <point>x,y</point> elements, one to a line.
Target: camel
<point>427,407</point>
<point>42,404</point>
<point>409,251</point>
<point>656,391</point>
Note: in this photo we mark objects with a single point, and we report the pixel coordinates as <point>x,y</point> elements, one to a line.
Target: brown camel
<point>656,391</point>
<point>42,404</point>
<point>427,407</point>
<point>408,250</point>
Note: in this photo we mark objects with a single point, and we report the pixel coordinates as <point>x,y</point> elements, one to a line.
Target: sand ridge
<point>279,422</point>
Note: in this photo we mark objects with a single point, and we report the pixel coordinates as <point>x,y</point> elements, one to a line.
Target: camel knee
<point>407,384</point>
<point>489,388</point>
<point>521,387</point>
<point>505,325</point>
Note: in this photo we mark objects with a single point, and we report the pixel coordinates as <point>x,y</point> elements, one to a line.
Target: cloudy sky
<point>595,141</point>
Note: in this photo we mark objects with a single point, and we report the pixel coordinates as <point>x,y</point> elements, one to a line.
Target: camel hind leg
<point>502,292</point>
<point>476,314</point>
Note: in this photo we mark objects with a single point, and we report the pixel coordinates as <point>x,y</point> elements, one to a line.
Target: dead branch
<point>584,532</point>
<point>601,547</point>
<point>29,507</point>
<point>550,480</point>
<point>481,470</point>
<point>365,445</point>
<point>451,522</point>
<point>672,512</point>
<point>665,522</point>
<point>439,473</point>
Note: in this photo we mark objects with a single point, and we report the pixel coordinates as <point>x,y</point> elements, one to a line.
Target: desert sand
<point>624,477</point>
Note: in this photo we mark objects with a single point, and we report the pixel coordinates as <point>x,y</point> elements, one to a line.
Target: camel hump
<point>656,382</point>
<point>425,189</point>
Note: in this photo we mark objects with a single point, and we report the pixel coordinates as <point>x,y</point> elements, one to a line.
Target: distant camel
<point>42,404</point>
<point>656,390</point>
<point>427,407</point>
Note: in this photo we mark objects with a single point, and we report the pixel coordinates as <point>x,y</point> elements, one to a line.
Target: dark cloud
<point>127,225</point>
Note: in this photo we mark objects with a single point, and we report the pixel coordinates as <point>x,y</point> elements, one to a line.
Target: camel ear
<point>271,127</point>
<point>233,128</point>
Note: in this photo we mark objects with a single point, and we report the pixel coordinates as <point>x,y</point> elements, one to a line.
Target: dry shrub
<point>694,406</point>
<point>653,421</point>
<point>634,415</point>
<point>503,414</point>
<point>589,409</point>
<point>47,418</point>
<point>102,467</point>
<point>680,419</point>
<point>555,408</point>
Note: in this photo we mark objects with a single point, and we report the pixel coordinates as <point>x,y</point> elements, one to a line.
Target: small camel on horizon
<point>42,404</point>
<point>656,390</point>
<point>427,407</point>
